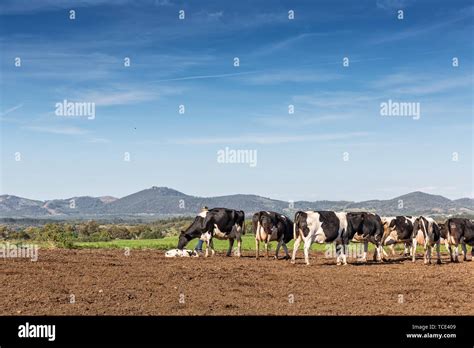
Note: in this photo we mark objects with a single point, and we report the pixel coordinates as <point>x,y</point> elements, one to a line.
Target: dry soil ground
<point>146,283</point>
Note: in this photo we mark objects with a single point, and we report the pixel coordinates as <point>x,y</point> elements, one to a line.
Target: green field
<point>167,243</point>
<point>248,243</point>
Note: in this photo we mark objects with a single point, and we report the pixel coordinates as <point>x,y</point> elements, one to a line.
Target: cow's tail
<point>243,222</point>
<point>296,225</point>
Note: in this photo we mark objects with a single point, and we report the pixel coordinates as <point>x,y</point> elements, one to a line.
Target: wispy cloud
<point>98,140</point>
<point>391,4</point>
<point>290,76</point>
<point>415,31</point>
<point>121,95</point>
<point>57,130</point>
<point>300,121</point>
<point>32,6</point>
<point>266,139</point>
<point>118,98</point>
<point>419,83</point>
<point>10,110</point>
<point>199,77</point>
<point>291,41</point>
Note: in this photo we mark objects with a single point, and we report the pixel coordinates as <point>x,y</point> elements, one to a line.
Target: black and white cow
<point>398,229</point>
<point>365,227</point>
<point>270,226</point>
<point>220,223</point>
<point>320,227</point>
<point>427,232</point>
<point>458,231</point>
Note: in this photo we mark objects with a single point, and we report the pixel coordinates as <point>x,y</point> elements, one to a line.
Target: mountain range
<point>161,202</point>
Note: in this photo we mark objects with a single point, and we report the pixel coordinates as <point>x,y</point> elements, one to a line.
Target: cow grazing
<point>398,229</point>
<point>270,226</point>
<point>427,232</point>
<point>458,231</point>
<point>220,223</point>
<point>365,227</point>
<point>320,227</point>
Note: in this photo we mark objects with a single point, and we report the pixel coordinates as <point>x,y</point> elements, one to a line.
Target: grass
<point>248,243</point>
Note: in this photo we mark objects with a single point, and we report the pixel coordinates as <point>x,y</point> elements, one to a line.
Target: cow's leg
<point>231,244</point>
<point>366,248</point>
<point>456,253</point>
<point>280,242</point>
<point>295,248</point>
<point>392,249</point>
<point>211,244</point>
<point>207,248</point>
<point>464,251</point>
<point>406,250</point>
<point>267,241</point>
<point>450,253</point>
<point>438,255</point>
<point>307,246</point>
<point>257,248</point>
<point>378,253</point>
<point>239,241</point>
<point>285,248</point>
<point>413,248</point>
<point>338,254</point>
<point>344,254</point>
<point>427,253</point>
<point>239,247</point>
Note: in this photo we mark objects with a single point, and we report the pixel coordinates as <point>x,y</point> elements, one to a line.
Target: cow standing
<point>270,226</point>
<point>458,231</point>
<point>320,227</point>
<point>398,229</point>
<point>220,223</point>
<point>365,227</point>
<point>426,231</point>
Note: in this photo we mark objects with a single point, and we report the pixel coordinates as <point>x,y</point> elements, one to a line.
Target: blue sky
<point>282,62</point>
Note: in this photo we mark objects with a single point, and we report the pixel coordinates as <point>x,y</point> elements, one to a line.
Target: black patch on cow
<point>330,224</point>
<point>403,227</point>
<point>301,223</point>
<point>277,225</point>
<point>366,224</point>
<point>461,229</point>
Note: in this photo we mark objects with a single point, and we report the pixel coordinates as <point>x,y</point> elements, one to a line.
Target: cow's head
<point>267,224</point>
<point>443,230</point>
<point>387,226</point>
<point>183,240</point>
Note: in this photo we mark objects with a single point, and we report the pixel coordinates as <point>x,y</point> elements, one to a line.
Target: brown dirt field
<point>106,282</point>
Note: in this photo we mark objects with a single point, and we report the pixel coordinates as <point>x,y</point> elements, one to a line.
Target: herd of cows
<point>340,228</point>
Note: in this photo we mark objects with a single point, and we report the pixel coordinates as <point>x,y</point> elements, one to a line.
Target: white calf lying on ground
<point>181,253</point>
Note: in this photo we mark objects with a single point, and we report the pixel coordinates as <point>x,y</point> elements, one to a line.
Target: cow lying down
<point>181,253</point>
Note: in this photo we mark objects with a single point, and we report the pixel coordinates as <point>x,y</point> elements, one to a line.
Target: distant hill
<point>159,202</point>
